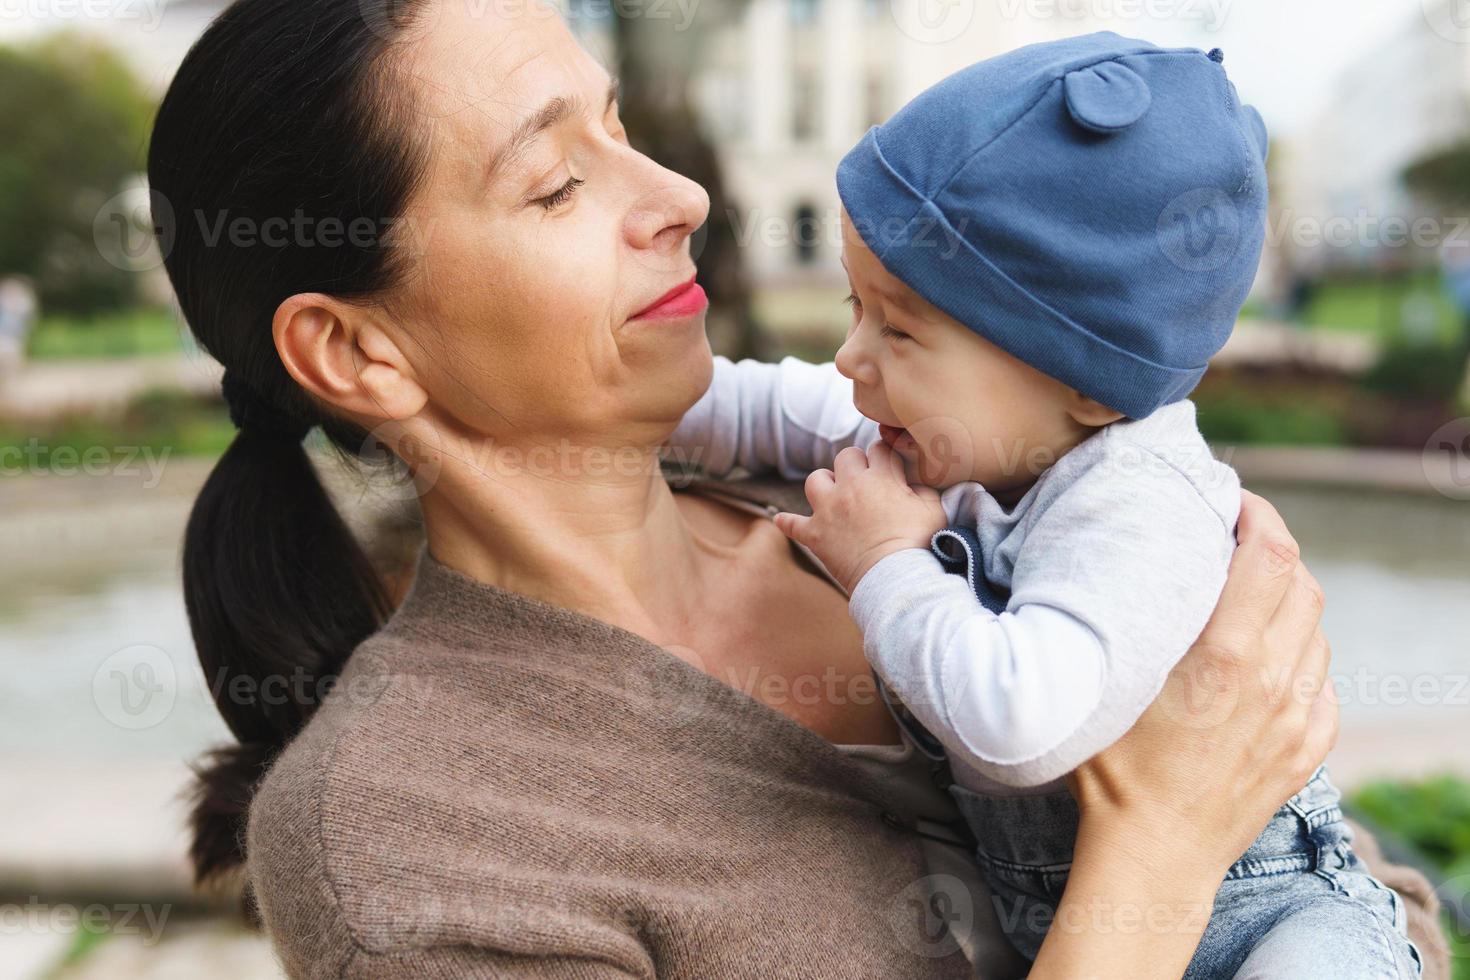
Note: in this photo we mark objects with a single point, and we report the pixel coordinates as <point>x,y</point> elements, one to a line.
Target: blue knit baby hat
<point>1095,206</point>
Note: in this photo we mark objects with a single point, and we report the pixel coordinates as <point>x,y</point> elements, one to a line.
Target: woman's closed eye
<point>560,196</point>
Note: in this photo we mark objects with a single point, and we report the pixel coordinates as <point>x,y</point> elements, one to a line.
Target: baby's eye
<point>893,334</point>
<point>853,301</point>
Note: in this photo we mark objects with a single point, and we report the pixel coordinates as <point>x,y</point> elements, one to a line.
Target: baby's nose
<point>853,366</point>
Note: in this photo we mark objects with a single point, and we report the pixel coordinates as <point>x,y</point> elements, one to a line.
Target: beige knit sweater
<point>499,787</point>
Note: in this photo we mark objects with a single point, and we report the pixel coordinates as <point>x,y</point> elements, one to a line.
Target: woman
<point>614,730</point>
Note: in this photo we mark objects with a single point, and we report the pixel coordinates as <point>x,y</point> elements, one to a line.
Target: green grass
<point>179,424</point>
<point>1242,418</point>
<point>1433,816</point>
<point>127,333</point>
<point>1378,306</point>
<point>83,943</point>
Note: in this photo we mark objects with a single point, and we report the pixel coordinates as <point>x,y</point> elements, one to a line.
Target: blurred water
<point>98,664</point>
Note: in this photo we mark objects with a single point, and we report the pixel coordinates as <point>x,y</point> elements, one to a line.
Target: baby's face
<point>953,405</point>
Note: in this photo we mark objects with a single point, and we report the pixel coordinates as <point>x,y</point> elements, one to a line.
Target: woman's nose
<point>665,217</point>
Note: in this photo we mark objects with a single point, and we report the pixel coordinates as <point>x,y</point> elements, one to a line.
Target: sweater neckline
<point>445,603</point>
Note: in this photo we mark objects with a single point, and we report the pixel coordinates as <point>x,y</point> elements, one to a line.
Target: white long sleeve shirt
<point>1114,561</point>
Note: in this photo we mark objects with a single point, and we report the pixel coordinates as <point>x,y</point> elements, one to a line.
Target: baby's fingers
<point>794,526</point>
<point>887,462</point>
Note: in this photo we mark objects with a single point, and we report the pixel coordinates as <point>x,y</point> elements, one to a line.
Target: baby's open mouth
<point>896,438</point>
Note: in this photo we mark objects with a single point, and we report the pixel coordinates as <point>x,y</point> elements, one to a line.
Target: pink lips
<point>682,301</point>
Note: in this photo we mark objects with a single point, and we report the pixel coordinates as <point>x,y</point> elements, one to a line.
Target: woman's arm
<point>1246,718</point>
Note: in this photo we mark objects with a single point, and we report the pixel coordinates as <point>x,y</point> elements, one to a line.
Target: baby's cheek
<point>945,451</point>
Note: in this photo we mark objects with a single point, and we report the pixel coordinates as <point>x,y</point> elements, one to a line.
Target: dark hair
<point>283,108</point>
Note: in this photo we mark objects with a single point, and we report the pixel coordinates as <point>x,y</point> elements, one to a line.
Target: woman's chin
<point>673,377</point>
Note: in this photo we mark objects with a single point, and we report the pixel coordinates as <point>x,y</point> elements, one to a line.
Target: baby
<point>1044,252</point>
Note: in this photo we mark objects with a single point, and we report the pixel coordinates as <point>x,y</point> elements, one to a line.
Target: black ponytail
<point>285,115</point>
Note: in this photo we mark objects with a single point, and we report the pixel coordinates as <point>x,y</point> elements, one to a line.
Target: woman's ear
<point>1091,413</point>
<point>344,359</point>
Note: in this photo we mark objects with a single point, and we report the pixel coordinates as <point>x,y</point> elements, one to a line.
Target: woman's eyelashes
<point>561,196</point>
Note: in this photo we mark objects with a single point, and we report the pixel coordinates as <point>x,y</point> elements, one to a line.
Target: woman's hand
<point>1243,722</point>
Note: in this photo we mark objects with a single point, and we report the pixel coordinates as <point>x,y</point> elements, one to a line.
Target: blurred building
<point>1343,202</point>
<point>783,88</point>
<point>789,86</point>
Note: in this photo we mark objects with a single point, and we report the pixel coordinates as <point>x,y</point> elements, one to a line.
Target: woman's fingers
<point>1260,574</point>
<point>1321,734</point>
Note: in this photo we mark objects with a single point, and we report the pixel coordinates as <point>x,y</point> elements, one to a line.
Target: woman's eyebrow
<point>554,111</point>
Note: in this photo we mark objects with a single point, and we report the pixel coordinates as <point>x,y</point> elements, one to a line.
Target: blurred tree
<point>654,68</point>
<point>75,124</point>
<point>1442,176</point>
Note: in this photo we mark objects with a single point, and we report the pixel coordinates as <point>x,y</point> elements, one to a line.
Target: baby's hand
<point>863,513</point>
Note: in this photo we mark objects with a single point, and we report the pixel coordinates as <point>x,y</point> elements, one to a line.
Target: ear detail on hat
<point>1107,97</point>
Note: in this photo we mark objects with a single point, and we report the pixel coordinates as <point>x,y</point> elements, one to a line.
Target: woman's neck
<point>608,541</point>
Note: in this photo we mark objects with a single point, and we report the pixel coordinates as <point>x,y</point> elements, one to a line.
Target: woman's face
<point>540,239</point>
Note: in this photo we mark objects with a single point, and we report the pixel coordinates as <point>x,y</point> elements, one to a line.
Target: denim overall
<point>1298,905</point>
